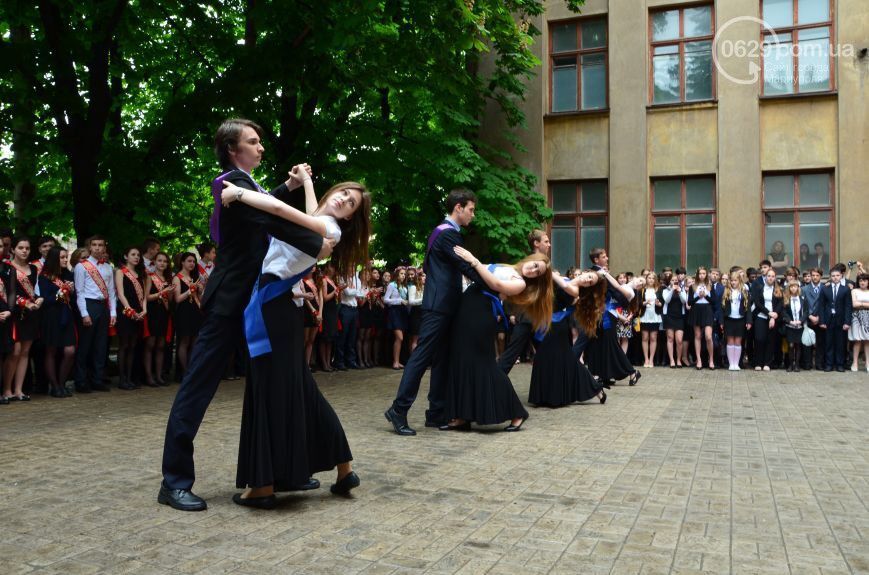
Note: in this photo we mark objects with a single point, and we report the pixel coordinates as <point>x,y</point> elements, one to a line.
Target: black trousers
<point>345,351</point>
<point>816,356</point>
<point>93,345</point>
<point>836,346</point>
<point>208,360</point>
<point>432,350</point>
<point>765,341</point>
<point>519,339</point>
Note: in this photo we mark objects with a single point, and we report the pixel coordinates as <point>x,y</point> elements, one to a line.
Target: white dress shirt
<point>351,291</point>
<point>86,288</point>
<point>285,261</point>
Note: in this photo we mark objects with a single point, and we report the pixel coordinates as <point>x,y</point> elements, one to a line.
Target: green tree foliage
<point>109,107</point>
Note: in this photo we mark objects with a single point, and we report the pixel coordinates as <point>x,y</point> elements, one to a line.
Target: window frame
<point>578,214</point>
<point>577,55</point>
<point>683,214</point>
<point>680,41</point>
<point>794,30</point>
<point>796,210</point>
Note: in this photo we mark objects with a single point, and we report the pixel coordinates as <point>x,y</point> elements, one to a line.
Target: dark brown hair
<point>460,197</point>
<point>352,250</point>
<point>227,136</point>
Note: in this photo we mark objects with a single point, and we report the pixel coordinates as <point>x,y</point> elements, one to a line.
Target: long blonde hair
<point>536,299</point>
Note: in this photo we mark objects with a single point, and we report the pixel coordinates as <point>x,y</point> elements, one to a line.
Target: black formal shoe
<point>348,482</point>
<point>602,397</point>
<point>180,499</point>
<point>312,483</point>
<point>267,502</point>
<point>399,423</point>
<point>466,426</point>
<point>512,427</point>
<point>355,366</point>
<point>126,386</point>
<point>100,387</point>
<point>796,369</point>
<point>56,392</point>
<point>840,369</point>
<point>636,377</point>
<point>83,389</point>
<point>828,369</point>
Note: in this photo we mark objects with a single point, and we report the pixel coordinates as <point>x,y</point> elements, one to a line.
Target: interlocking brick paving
<point>688,472</point>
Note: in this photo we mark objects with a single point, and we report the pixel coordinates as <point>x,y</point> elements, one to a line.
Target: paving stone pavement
<point>688,472</point>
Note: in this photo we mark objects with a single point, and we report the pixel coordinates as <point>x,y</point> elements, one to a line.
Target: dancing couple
<point>289,431</point>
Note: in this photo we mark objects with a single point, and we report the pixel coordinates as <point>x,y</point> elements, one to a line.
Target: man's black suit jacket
<point>244,238</point>
<point>444,270</point>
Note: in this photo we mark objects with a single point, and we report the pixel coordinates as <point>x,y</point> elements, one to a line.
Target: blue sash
<point>254,327</point>
<point>497,307</point>
<point>556,317</point>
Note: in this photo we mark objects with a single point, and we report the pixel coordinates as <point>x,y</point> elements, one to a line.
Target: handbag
<point>808,337</point>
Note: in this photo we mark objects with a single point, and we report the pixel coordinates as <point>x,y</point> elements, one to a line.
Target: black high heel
<point>602,397</point>
<point>512,427</point>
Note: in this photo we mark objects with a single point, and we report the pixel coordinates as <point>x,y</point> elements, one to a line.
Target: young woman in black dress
<point>188,309</point>
<point>7,294</point>
<point>159,290</point>
<point>329,324</point>
<point>366,320</point>
<point>478,390</point>
<point>557,379</point>
<point>131,320</point>
<point>397,314</point>
<point>673,300</point>
<point>311,313</point>
<point>58,320</point>
<point>25,320</point>
<point>376,289</point>
<point>700,300</point>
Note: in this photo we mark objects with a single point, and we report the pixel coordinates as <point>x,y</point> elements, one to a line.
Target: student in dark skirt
<point>415,287</point>
<point>735,309</point>
<point>365,320</point>
<point>673,300</point>
<point>794,317</point>
<point>701,301</point>
<point>311,317</point>
<point>650,318</point>
<point>6,295</point>
<point>397,315</point>
<point>329,325</point>
<point>374,338</point>
<point>768,300</point>
<point>58,320</point>
<point>131,323</point>
<point>188,309</point>
<point>25,320</point>
<point>159,290</point>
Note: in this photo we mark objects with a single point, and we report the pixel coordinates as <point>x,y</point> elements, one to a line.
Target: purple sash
<point>434,235</point>
<point>216,193</point>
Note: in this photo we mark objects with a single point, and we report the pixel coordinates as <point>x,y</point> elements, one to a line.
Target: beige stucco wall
<point>682,141</point>
<point>853,138</point>
<point>577,147</point>
<point>798,133</point>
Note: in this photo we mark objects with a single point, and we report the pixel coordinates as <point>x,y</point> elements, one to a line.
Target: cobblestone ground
<point>688,472</point>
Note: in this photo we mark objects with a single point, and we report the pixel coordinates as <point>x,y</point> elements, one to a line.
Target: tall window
<point>578,61</point>
<point>683,216</point>
<point>797,57</point>
<point>681,52</point>
<point>797,213</point>
<point>580,222</point>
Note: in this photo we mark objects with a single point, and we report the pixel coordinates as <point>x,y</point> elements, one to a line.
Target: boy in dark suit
<point>443,288</point>
<point>835,309</point>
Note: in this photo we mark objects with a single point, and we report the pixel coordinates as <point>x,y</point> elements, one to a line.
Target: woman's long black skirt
<point>288,429</point>
<point>605,358</point>
<point>557,378</point>
<point>478,390</point>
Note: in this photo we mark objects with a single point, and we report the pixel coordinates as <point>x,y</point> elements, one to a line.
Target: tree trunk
<point>23,138</point>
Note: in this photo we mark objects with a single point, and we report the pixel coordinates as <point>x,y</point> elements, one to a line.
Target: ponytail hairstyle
<point>352,250</point>
<point>536,299</point>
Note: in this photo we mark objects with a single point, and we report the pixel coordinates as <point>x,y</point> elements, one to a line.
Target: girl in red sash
<point>188,310</point>
<point>158,290</point>
<point>131,321</point>
<point>312,318</point>
<point>25,320</point>
<point>57,288</point>
<point>329,313</point>
<point>6,295</point>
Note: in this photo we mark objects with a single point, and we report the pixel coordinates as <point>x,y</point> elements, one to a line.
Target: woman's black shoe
<point>348,482</point>
<point>4,400</point>
<point>635,378</point>
<point>466,426</point>
<point>602,397</point>
<point>512,427</point>
<point>267,502</point>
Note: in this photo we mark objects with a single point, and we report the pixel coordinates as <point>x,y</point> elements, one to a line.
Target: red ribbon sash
<point>192,287</point>
<point>95,275</point>
<point>24,281</point>
<point>140,291</point>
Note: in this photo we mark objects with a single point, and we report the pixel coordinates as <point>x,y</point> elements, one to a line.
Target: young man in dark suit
<point>814,356</point>
<point>241,233</point>
<point>443,288</point>
<point>835,309</point>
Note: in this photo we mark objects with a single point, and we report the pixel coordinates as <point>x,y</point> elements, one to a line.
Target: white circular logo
<point>749,49</point>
